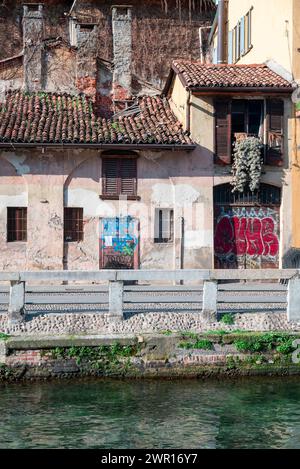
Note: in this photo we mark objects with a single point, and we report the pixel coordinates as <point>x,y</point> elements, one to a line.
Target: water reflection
<point>151,414</point>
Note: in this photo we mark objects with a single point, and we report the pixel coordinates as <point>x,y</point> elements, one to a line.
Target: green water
<point>252,413</point>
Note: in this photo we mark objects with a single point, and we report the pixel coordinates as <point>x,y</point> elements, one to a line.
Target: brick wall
<point>157,36</point>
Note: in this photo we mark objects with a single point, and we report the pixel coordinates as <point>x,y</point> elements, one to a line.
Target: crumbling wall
<point>161,31</point>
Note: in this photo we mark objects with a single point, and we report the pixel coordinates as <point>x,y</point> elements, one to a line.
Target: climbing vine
<point>247,165</point>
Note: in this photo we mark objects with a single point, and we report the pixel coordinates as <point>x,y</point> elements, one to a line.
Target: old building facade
<point>109,162</point>
<point>94,173</point>
<point>251,32</point>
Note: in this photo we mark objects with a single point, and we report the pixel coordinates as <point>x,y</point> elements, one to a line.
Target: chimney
<point>33,35</point>
<point>86,39</point>
<point>222,13</point>
<point>122,52</point>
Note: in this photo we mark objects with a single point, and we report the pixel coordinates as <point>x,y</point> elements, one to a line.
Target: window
<point>73,224</point>
<point>119,177</point>
<point>16,224</point>
<point>240,38</point>
<point>163,226</point>
<point>239,118</point>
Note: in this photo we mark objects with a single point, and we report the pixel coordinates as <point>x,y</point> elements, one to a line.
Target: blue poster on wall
<point>119,233</point>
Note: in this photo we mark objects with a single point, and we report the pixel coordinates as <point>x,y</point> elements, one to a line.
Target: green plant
<point>203,344</point>
<point>247,165</point>
<point>4,336</point>
<point>107,358</point>
<point>200,344</point>
<point>269,341</point>
<point>227,319</point>
<point>166,332</point>
<point>189,335</point>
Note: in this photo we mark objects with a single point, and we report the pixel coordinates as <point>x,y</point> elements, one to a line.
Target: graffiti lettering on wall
<point>120,235</point>
<point>247,232</point>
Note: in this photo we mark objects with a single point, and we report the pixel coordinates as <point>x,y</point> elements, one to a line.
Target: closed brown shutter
<point>110,176</point>
<point>275,113</point>
<point>119,176</point>
<point>128,176</point>
<point>222,132</point>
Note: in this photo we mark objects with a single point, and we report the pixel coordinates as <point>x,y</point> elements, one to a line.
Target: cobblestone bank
<point>143,322</point>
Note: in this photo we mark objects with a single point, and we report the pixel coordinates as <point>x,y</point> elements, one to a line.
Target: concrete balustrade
<point>116,278</point>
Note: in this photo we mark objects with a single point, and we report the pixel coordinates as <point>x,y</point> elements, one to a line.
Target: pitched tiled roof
<point>61,118</point>
<point>199,75</point>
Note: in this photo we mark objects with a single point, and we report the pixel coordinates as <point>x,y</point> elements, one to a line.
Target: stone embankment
<point>95,323</point>
<point>168,354</point>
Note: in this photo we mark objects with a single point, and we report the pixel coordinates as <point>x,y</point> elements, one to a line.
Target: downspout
<point>222,21</point>
<point>188,111</point>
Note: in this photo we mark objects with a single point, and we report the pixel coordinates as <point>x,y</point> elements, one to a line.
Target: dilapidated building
<point>109,160</point>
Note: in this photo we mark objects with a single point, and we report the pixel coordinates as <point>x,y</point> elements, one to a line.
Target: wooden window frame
<point>119,194</point>
<point>16,224</point>
<point>72,235</point>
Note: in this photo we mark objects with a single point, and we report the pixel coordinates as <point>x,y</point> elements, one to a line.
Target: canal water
<point>248,413</point>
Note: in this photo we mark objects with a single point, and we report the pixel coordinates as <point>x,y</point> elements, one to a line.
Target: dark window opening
<point>73,224</point>
<point>266,195</point>
<point>16,224</point>
<point>164,225</point>
<point>247,117</point>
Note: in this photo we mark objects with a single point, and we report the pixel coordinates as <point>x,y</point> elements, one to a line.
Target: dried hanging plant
<point>193,5</point>
<point>247,164</point>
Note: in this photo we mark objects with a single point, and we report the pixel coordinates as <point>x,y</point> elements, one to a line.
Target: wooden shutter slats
<point>222,132</point>
<point>119,176</point>
<point>128,176</point>
<point>275,115</point>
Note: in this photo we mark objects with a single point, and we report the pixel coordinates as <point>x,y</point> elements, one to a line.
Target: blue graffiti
<point>119,234</point>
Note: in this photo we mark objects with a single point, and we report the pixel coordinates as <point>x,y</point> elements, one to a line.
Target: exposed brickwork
<point>158,35</point>
<point>26,356</point>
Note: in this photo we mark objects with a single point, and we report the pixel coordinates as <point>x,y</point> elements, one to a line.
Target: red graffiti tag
<point>249,235</point>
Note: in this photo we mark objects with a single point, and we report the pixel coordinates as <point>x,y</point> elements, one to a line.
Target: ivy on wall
<point>247,165</point>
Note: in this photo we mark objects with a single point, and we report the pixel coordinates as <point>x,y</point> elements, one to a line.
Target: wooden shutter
<point>110,176</point>
<point>222,132</point>
<point>275,113</point>
<point>230,47</point>
<point>128,176</point>
<point>242,41</point>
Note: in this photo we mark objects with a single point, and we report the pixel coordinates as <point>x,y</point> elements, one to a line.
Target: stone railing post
<point>210,299</point>
<point>16,307</point>
<point>293,300</point>
<point>115,293</point>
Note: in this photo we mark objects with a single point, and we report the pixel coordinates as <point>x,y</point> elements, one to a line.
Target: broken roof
<point>48,118</point>
<point>198,76</point>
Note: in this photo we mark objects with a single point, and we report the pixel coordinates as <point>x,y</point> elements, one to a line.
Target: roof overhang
<point>240,90</point>
<point>104,146</point>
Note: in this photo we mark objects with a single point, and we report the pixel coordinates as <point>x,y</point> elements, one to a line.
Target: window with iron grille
<point>119,176</point>
<point>163,225</point>
<point>73,224</point>
<point>16,224</point>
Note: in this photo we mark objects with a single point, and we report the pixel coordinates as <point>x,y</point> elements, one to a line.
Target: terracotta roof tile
<point>199,75</point>
<point>61,118</point>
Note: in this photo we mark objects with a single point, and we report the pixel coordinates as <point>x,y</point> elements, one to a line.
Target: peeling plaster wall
<point>46,182</point>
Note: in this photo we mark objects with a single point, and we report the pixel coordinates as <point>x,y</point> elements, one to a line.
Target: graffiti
<point>119,234</point>
<point>249,232</point>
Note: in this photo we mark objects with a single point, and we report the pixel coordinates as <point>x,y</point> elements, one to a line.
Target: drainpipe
<point>222,20</point>
<point>188,111</point>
